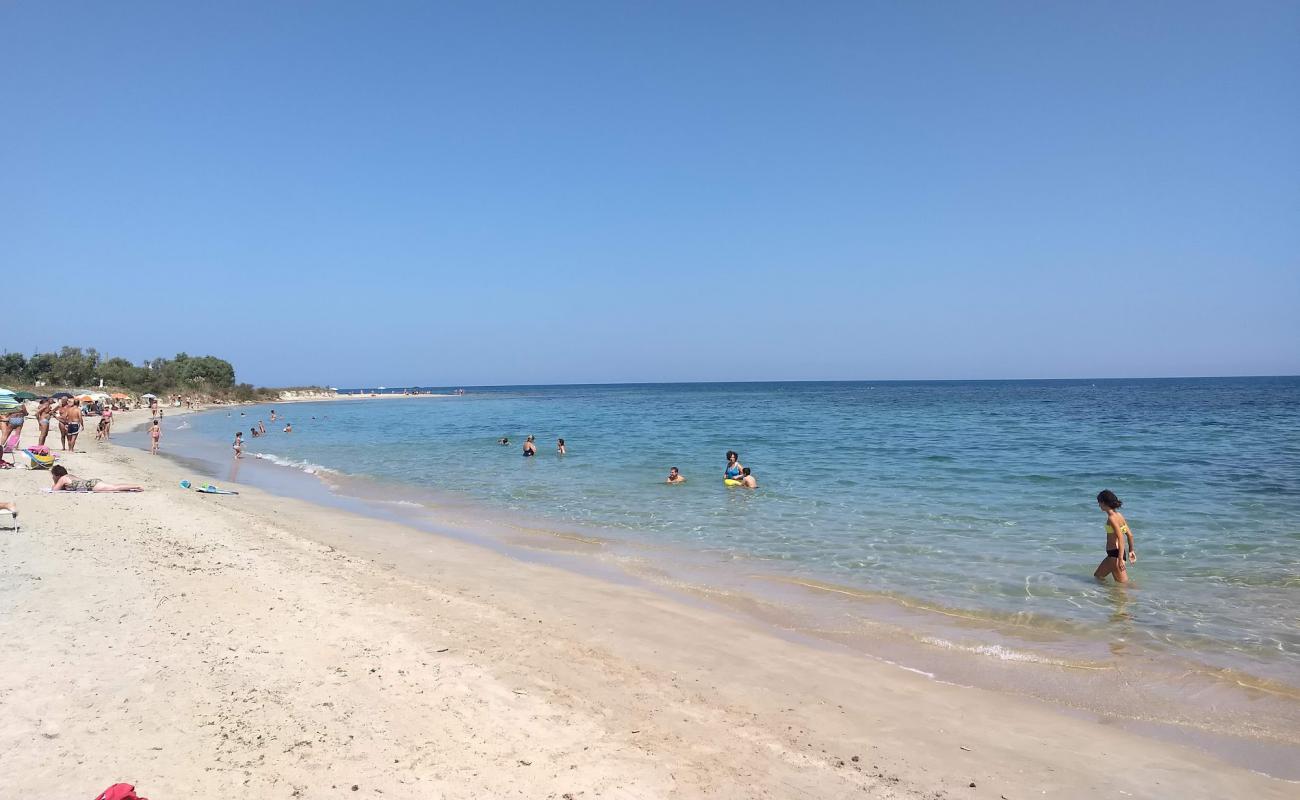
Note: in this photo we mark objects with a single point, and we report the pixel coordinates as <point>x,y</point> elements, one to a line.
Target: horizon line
<point>807,380</point>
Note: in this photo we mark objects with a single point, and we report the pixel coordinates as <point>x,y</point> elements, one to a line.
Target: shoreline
<point>278,643</point>
<point>1178,697</point>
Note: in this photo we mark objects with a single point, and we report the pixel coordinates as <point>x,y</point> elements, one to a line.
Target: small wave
<point>305,466</point>
<point>404,503</point>
<point>1007,654</point>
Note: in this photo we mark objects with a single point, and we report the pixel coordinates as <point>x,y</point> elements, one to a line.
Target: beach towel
<point>119,791</point>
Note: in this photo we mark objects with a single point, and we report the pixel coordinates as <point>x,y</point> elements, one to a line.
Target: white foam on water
<point>1001,653</point>
<point>305,466</point>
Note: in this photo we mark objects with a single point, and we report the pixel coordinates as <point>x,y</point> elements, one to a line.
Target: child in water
<point>1117,536</point>
<point>238,444</point>
<point>560,448</point>
<point>155,436</point>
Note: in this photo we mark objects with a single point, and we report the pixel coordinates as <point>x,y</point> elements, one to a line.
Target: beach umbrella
<point>24,395</point>
<point>85,398</point>
<point>120,396</point>
<point>148,396</point>
<point>61,395</point>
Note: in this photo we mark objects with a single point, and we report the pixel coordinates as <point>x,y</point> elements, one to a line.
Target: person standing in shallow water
<point>560,448</point>
<point>1119,540</point>
<point>734,468</point>
<point>530,447</point>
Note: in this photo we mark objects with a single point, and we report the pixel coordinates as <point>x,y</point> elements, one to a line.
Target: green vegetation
<point>73,367</point>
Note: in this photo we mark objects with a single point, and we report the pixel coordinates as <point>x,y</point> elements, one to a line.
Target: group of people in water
<point>734,474</point>
<point>530,445</point>
<point>256,432</point>
<point>1120,549</point>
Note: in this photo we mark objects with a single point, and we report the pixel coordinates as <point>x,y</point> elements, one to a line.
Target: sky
<point>486,193</point>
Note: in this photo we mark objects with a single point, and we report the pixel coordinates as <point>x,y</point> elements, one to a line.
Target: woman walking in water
<point>1118,536</point>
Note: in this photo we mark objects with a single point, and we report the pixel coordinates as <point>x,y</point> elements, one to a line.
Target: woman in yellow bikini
<point>1117,536</point>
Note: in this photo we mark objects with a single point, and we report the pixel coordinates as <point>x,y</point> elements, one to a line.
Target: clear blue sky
<point>472,193</point>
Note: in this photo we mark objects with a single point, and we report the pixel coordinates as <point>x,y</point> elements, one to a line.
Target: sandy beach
<point>199,646</point>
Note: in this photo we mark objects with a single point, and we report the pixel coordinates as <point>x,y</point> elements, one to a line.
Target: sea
<point>948,527</point>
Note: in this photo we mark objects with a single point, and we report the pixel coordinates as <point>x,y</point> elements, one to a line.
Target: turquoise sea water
<point>976,497</point>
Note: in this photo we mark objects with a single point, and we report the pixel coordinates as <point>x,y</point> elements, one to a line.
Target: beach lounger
<point>9,447</point>
<point>9,519</point>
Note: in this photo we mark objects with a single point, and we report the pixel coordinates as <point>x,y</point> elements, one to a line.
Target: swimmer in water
<point>504,440</point>
<point>560,448</point>
<point>1117,536</point>
<point>674,476</point>
<point>733,470</point>
<point>530,449</point>
<point>748,481</point>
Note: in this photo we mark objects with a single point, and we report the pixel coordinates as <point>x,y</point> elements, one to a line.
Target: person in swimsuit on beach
<point>733,470</point>
<point>13,421</point>
<point>530,449</point>
<point>65,482</point>
<point>44,412</point>
<point>72,422</point>
<point>1118,536</point>
<point>674,476</point>
<point>155,436</point>
<point>747,480</point>
<point>559,448</point>
<point>238,444</point>
<point>107,420</point>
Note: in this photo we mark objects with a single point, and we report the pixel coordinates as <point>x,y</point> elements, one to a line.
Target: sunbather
<point>66,482</point>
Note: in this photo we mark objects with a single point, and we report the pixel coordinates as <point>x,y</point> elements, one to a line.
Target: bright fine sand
<point>253,646</point>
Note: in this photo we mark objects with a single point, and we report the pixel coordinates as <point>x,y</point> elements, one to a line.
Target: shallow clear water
<point>975,496</point>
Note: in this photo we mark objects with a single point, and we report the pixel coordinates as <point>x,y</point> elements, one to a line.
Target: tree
<point>39,367</point>
<point>206,371</point>
<point>72,367</point>
<point>13,365</point>
<point>120,372</point>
